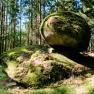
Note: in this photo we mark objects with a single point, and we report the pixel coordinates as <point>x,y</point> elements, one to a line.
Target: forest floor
<point>82,84</point>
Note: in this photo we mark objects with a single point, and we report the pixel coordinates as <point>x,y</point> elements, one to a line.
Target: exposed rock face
<point>66,30</point>
<point>34,66</point>
<point>38,66</point>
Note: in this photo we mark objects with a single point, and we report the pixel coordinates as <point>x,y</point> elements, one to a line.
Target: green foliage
<point>3,91</point>
<point>88,7</point>
<point>92,91</point>
<point>57,90</point>
<point>65,5</point>
<point>3,77</point>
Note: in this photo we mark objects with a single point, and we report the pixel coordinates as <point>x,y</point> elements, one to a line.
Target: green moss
<point>37,68</point>
<point>31,79</point>
<point>66,29</point>
<point>10,68</point>
<point>14,51</point>
<point>3,90</point>
<point>63,59</point>
<point>3,76</point>
<point>91,91</point>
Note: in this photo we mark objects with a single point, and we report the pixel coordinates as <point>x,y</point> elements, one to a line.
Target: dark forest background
<point>20,20</point>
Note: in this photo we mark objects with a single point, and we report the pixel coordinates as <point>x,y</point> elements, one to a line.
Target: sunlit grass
<point>3,90</point>
<point>64,89</point>
<point>92,91</point>
<point>89,84</point>
<point>3,77</point>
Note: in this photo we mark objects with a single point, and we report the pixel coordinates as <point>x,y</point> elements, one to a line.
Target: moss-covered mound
<point>66,30</point>
<point>35,66</point>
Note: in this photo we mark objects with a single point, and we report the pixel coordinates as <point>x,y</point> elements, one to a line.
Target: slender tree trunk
<point>28,26</point>
<point>28,32</point>
<point>6,29</point>
<point>31,22</point>
<point>14,26</point>
<point>20,22</point>
<point>40,22</point>
<point>14,29</point>
<point>0,27</point>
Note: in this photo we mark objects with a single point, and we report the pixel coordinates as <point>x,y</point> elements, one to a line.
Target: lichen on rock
<point>66,30</point>
<point>38,67</point>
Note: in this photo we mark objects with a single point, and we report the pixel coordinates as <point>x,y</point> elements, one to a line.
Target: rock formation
<point>66,30</point>
<point>38,66</point>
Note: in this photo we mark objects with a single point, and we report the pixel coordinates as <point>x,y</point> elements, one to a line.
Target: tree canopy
<point>20,19</point>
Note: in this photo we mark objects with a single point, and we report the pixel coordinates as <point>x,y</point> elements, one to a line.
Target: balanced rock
<point>66,30</point>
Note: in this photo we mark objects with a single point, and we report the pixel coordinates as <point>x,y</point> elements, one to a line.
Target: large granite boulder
<point>66,31</point>
<point>35,66</point>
